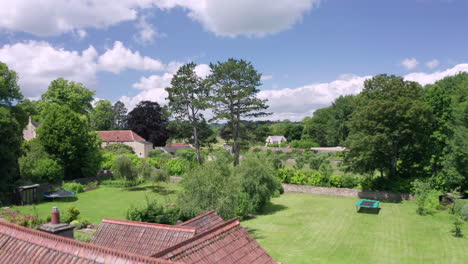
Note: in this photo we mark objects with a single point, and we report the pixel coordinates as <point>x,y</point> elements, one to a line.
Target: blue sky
<point>309,51</point>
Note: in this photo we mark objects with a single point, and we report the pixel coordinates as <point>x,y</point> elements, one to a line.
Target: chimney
<point>55,227</point>
<point>55,216</point>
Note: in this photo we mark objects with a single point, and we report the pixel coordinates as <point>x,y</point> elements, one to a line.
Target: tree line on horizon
<point>397,128</point>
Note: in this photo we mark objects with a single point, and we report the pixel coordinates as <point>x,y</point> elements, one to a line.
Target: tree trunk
<point>196,143</point>
<point>236,148</point>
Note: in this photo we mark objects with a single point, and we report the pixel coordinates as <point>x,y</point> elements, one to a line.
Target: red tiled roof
<point>227,243</point>
<point>204,221</point>
<point>119,136</point>
<point>24,245</point>
<point>139,237</point>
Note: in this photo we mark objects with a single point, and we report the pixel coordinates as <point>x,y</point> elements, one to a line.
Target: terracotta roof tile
<point>204,221</point>
<point>24,245</point>
<point>227,243</point>
<point>139,237</point>
<point>119,136</point>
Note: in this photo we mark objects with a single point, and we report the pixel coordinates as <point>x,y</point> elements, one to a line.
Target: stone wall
<point>344,192</point>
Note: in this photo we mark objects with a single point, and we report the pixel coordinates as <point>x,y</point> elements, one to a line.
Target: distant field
<point>304,228</point>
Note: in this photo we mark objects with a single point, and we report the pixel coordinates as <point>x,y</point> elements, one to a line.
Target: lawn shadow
<point>364,210</point>
<point>153,188</point>
<point>272,208</point>
<point>61,200</point>
<point>254,233</point>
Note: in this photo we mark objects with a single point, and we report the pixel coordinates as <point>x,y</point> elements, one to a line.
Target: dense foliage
<point>149,120</point>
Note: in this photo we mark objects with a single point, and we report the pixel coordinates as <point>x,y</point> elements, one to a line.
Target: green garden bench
<point>367,204</point>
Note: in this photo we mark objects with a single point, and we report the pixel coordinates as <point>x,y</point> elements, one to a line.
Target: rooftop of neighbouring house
<point>25,245</point>
<point>139,237</point>
<point>205,239</point>
<point>227,243</point>
<point>204,221</point>
<point>119,136</point>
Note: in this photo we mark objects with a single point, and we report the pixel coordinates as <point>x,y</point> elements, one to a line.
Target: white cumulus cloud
<point>222,17</point>
<point>120,58</point>
<point>147,32</point>
<point>38,63</point>
<point>409,63</point>
<point>297,103</point>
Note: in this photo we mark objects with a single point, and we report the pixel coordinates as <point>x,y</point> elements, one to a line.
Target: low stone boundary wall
<point>345,192</point>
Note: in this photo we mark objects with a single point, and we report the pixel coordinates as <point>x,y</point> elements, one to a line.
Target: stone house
<point>29,132</point>
<point>275,140</point>
<point>140,146</point>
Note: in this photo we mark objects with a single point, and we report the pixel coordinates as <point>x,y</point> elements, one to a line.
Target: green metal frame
<point>359,204</point>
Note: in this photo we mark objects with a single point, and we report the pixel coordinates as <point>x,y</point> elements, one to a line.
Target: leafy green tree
<point>317,128</point>
<point>10,129</point>
<point>390,129</point>
<point>68,138</point>
<point>71,94</point>
<point>9,88</point>
<point>102,115</point>
<point>188,97</point>
<point>234,85</point>
<point>182,131</point>
<point>120,116</point>
<point>149,120</point>
<point>37,166</point>
<point>448,101</point>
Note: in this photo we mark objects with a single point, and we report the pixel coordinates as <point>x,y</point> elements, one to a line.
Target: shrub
<point>423,194</point>
<point>210,186</point>
<point>315,178</point>
<point>158,162</point>
<point>145,170</point>
<point>258,180</point>
<point>134,158</point>
<point>257,150</point>
<point>153,213</point>
<point>156,153</point>
<point>73,186</point>
<point>108,160</point>
<point>461,208</point>
<point>176,167</point>
<point>316,161</point>
<point>187,154</point>
<point>299,177</point>
<point>80,223</point>
<point>335,180</point>
<point>350,181</point>
<point>119,149</point>
<point>124,168</point>
<point>70,214</point>
<point>303,144</point>
<point>457,227</point>
<point>326,169</point>
<point>284,175</point>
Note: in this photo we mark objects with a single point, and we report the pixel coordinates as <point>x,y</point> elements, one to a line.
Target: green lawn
<point>304,228</point>
<point>112,202</point>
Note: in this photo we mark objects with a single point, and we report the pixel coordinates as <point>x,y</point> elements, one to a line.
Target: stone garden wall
<point>344,192</point>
